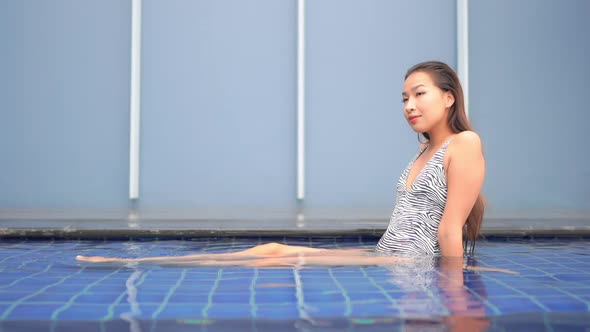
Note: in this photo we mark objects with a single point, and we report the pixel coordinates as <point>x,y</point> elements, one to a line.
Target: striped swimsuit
<point>413,226</point>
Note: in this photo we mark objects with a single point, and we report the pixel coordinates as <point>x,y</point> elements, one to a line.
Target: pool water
<point>43,287</point>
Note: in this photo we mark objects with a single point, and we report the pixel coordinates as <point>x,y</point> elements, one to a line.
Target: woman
<point>438,195</point>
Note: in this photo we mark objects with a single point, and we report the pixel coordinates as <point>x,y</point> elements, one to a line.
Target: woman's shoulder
<point>468,140</point>
<point>466,143</point>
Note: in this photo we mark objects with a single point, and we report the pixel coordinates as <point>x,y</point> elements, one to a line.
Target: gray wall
<point>64,96</point>
<point>218,104</point>
<point>529,100</point>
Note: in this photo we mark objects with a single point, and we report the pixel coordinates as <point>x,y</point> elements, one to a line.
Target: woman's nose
<point>410,106</point>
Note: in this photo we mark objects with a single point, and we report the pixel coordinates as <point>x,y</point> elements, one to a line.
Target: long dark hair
<point>446,79</point>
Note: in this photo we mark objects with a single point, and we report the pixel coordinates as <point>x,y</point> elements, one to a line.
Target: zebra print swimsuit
<point>413,226</point>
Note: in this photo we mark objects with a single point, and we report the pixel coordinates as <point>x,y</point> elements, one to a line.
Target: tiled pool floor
<point>43,286</point>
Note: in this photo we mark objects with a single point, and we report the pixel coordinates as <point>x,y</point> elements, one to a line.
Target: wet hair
<point>447,80</point>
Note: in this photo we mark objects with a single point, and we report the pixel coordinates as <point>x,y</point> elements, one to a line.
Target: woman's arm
<point>465,175</point>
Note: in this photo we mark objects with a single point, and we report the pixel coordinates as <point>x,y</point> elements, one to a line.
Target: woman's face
<point>425,105</point>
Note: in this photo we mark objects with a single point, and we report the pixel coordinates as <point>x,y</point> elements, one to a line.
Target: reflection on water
<point>133,304</point>
<point>432,294</point>
<point>440,287</point>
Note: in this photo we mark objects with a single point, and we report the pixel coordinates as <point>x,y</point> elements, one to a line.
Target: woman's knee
<point>273,248</point>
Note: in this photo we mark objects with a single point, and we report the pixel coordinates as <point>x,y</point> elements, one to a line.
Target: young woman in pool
<point>438,209</point>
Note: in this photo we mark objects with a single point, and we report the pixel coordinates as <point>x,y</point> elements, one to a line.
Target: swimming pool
<point>43,287</point>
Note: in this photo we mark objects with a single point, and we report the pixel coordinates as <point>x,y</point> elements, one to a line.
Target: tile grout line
<point>564,267</point>
<point>437,299</point>
<point>205,311</point>
<point>301,306</point>
<point>27,277</point>
<point>348,306</point>
<point>73,298</point>
<point>381,289</point>
<point>533,299</point>
<point>40,291</point>
<point>27,252</point>
<point>253,305</point>
<point>494,308</point>
<point>572,295</point>
<point>534,268</point>
<point>169,295</point>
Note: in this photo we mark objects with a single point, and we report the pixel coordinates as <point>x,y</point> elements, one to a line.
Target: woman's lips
<point>413,118</point>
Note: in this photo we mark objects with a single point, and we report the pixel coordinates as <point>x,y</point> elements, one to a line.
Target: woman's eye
<point>420,93</point>
<point>404,100</point>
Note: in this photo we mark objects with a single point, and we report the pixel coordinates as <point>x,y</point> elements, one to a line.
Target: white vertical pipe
<point>135,99</point>
<point>463,48</point>
<point>300,99</point>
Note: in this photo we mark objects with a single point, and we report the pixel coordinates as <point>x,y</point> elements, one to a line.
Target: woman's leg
<point>264,250</point>
<point>349,259</point>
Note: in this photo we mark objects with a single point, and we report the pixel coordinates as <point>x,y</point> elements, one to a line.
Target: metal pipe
<point>463,48</point>
<point>300,99</point>
<point>135,99</point>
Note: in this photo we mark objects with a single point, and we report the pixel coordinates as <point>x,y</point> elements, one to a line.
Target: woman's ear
<point>449,99</point>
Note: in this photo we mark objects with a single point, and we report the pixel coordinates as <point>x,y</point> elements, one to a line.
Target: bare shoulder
<point>466,142</point>
<point>467,137</point>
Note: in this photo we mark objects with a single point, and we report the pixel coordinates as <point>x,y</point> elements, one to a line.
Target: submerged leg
<point>264,250</point>
<point>350,259</point>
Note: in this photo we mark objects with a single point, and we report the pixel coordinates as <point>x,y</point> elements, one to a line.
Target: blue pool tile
<point>65,288</point>
<point>33,311</point>
<point>12,296</point>
<point>312,274</point>
<point>410,305</point>
<point>317,288</point>
<point>262,282</point>
<point>83,312</point>
<point>201,274</point>
<point>274,296</point>
<point>106,288</point>
<point>184,288</point>
<point>375,309</point>
<point>573,277</point>
<point>232,288</point>
<point>4,306</point>
<point>515,305</point>
<point>571,286</point>
<point>189,298</point>
<point>324,297</point>
<point>148,286</point>
<point>360,286</point>
<point>33,282</point>
<point>234,311</point>
<point>150,297</point>
<point>328,310</point>
<point>50,297</point>
<point>289,311</point>
<point>144,311</point>
<point>496,291</point>
<point>545,279</point>
<point>181,311</point>
<point>110,282</point>
<point>548,281</point>
<point>365,296</point>
<point>239,298</point>
<point>563,304</point>
<point>97,298</point>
